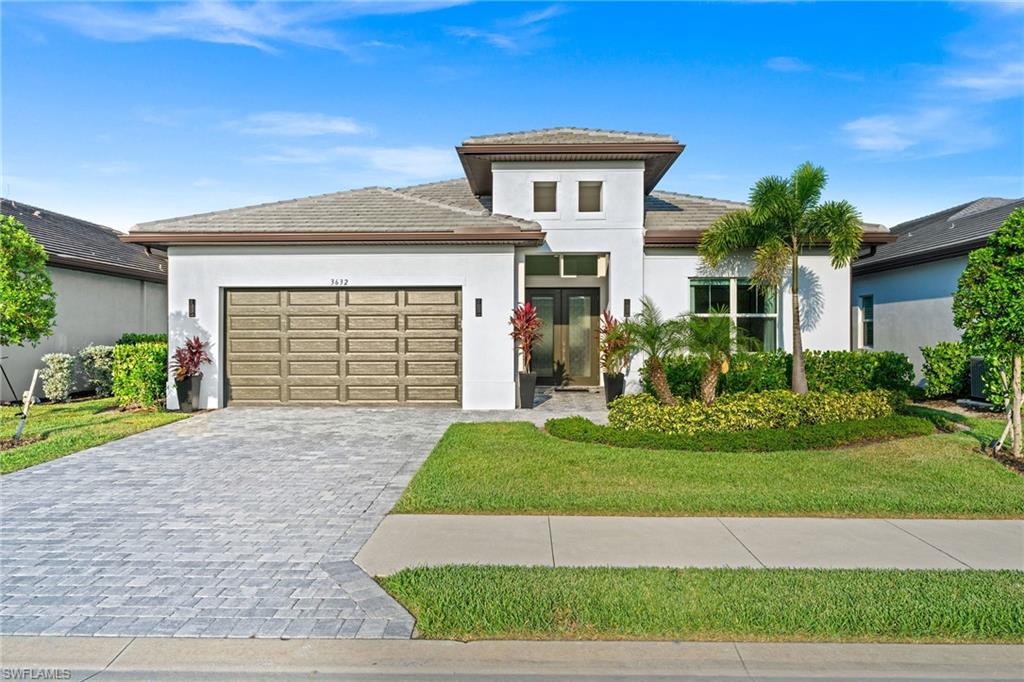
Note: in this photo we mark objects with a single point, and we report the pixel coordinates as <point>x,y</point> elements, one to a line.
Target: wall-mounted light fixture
<point>479,307</point>
<point>191,307</point>
<point>625,307</point>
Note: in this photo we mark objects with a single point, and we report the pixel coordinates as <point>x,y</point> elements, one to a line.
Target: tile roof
<point>569,136</point>
<point>80,244</point>
<point>675,211</point>
<point>953,230</point>
<point>422,208</point>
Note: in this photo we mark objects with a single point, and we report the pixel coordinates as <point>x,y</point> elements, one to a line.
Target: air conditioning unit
<point>977,372</point>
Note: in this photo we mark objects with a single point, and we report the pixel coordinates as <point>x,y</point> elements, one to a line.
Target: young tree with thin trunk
<point>989,307</point>
<point>28,304</point>
<point>785,217</point>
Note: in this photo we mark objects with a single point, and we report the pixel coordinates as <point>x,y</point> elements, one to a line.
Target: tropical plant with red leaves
<point>526,331</point>
<point>614,344</point>
<point>189,359</point>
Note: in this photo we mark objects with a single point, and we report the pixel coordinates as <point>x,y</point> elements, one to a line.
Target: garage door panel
<point>365,346</point>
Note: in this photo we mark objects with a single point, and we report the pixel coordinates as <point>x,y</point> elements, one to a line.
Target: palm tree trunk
<point>799,377</point>
<point>1016,405</point>
<point>657,373</point>
<point>709,383</point>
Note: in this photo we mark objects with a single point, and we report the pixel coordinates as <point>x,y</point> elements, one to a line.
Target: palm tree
<point>714,338</point>
<point>786,216</point>
<point>657,338</point>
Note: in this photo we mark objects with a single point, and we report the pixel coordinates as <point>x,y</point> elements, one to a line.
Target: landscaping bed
<point>508,602</point>
<point>57,429</point>
<point>514,468</point>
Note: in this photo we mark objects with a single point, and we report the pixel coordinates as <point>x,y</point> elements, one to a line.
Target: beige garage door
<point>344,346</point>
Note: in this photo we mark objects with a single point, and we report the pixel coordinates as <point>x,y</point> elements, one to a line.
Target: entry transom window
<point>752,309</point>
<point>545,197</point>
<point>590,200</point>
<point>867,321</point>
<point>566,265</point>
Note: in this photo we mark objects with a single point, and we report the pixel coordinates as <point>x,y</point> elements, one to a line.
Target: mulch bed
<point>10,443</point>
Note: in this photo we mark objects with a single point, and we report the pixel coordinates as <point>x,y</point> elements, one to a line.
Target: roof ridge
<point>21,204</point>
<point>431,184</point>
<point>961,215</point>
<point>697,196</point>
<point>430,202</point>
<point>931,216</point>
<point>575,129</point>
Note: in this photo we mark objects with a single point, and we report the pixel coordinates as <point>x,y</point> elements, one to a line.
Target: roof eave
<point>691,238</point>
<point>515,238</point>
<point>87,265</point>
<point>873,264</point>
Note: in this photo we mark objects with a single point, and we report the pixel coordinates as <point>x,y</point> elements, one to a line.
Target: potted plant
<point>613,342</point>
<point>187,365</point>
<point>526,332</point>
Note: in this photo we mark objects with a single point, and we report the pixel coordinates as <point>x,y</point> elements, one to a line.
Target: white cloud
<point>517,34</point>
<point>260,25</point>
<point>296,124</point>
<point>787,64</point>
<point>405,162</point>
<point>927,131</point>
<point>991,81</point>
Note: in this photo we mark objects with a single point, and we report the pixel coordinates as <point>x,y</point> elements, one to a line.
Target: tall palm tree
<point>786,216</point>
<point>714,338</point>
<point>657,338</point>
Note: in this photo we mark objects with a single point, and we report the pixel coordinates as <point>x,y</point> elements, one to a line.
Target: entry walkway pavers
<point>408,540</point>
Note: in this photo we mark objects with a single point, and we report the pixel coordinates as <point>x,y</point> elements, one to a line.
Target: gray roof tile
<point>569,136</point>
<point>65,237</point>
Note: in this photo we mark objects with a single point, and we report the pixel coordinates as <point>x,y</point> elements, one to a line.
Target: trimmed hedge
<point>98,365</point>
<point>742,411</point>
<point>850,371</point>
<point>131,338</point>
<point>58,376</point>
<point>140,374</point>
<point>812,437</point>
<point>946,370</point>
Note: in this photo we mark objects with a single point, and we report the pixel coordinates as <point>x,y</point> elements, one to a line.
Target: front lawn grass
<point>70,427</point>
<point>512,602</point>
<point>514,468</point>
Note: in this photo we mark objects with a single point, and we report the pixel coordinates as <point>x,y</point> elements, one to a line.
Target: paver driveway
<point>241,522</point>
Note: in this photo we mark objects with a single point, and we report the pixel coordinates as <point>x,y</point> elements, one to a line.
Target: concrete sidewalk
<point>110,658</point>
<point>405,540</point>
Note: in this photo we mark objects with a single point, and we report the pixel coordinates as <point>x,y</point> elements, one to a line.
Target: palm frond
<point>651,334</point>
<point>808,181</point>
<point>839,223</point>
<point>772,201</point>
<point>731,232</point>
<point>770,261</point>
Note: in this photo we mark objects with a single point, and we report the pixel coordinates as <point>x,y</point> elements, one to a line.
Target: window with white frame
<point>752,309</point>
<point>867,321</point>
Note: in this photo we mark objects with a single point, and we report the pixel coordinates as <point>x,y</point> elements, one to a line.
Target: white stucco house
<point>402,296</point>
<point>104,288</point>
<point>903,291</point>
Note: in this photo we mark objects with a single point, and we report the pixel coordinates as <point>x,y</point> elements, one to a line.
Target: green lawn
<point>70,427</point>
<point>515,468</point>
<point>508,602</point>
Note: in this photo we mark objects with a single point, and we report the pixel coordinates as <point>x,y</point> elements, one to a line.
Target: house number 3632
<point>339,281</point>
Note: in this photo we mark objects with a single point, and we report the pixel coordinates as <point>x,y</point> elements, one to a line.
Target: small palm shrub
<point>659,340</point>
<point>614,344</point>
<point>58,376</point>
<point>97,364</point>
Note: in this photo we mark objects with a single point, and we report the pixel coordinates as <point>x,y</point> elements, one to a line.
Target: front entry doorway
<point>567,355</point>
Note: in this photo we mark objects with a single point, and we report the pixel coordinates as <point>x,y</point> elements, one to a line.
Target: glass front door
<point>567,355</point>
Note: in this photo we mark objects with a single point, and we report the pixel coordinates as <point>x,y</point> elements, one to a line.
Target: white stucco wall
<point>913,306</point>
<point>823,293</point>
<point>486,272</point>
<point>92,308</point>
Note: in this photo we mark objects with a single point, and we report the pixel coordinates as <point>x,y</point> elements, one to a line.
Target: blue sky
<point>121,113</point>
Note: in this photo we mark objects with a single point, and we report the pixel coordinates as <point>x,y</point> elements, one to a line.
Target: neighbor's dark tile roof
<point>72,242</point>
<point>569,136</point>
<point>953,230</point>
<point>422,208</point>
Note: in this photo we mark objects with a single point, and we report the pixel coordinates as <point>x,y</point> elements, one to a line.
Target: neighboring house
<point>903,291</point>
<point>104,288</point>
<point>402,296</point>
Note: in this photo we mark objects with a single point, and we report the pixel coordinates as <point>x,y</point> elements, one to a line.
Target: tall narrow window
<point>545,197</point>
<point>590,196</point>
<point>867,321</point>
<point>708,296</point>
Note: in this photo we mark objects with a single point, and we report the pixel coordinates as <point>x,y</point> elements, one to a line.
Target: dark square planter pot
<point>188,393</point>
<point>614,386</point>
<point>527,389</point>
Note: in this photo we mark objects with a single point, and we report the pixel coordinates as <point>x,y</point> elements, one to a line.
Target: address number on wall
<point>339,281</point>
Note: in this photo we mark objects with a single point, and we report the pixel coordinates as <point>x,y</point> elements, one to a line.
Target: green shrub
<point>812,437</point>
<point>779,409</point>
<point>140,374</point>
<point>826,371</point>
<point>57,376</point>
<point>98,365</point>
<point>946,369</point>
<point>131,338</point>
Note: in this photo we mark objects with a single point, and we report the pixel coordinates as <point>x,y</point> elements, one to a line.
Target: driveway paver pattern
<point>235,523</point>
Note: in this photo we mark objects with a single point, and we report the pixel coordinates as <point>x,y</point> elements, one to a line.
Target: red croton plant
<point>189,359</point>
<point>526,331</point>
